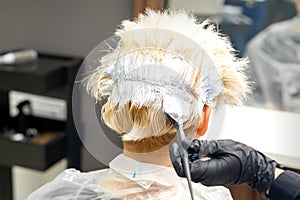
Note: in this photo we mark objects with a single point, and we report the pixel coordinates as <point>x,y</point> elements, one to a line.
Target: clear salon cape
<point>126,179</point>
<point>275,59</point>
<point>144,76</point>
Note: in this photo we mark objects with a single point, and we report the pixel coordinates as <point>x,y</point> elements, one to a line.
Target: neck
<point>154,150</point>
<point>159,157</point>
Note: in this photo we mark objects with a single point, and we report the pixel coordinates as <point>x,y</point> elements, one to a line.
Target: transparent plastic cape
<point>275,59</point>
<point>126,179</point>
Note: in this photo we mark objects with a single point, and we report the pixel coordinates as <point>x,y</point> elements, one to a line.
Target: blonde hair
<point>150,121</point>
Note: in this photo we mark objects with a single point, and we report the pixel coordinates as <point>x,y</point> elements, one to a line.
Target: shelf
<point>38,153</point>
<point>47,73</point>
<point>50,76</point>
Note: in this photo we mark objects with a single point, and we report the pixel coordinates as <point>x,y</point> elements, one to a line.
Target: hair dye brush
<point>175,113</point>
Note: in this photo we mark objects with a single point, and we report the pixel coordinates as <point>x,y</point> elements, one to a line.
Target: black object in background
<point>47,73</point>
<point>51,76</point>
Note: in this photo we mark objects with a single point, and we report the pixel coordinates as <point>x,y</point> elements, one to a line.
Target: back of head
<point>155,41</point>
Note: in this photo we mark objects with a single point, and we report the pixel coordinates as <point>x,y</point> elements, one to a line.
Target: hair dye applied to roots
<point>139,117</point>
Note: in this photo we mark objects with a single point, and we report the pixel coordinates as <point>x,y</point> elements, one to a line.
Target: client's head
<point>163,54</point>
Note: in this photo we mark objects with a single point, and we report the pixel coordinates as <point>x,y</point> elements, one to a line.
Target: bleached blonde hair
<point>145,122</point>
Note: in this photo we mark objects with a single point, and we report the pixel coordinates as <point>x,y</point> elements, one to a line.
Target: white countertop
<point>275,133</point>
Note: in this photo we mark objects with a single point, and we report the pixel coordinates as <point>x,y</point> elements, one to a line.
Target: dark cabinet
<point>50,76</point>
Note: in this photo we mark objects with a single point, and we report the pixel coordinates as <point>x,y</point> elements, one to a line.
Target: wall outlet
<point>42,106</point>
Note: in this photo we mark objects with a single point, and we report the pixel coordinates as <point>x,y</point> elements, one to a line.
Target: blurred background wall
<point>71,27</point>
<point>68,27</point>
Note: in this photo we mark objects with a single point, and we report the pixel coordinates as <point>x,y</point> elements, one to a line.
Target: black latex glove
<point>230,163</point>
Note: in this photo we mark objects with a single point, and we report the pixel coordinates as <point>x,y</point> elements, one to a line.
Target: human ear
<point>204,119</point>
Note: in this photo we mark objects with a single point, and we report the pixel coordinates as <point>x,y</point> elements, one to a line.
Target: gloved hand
<point>230,163</point>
